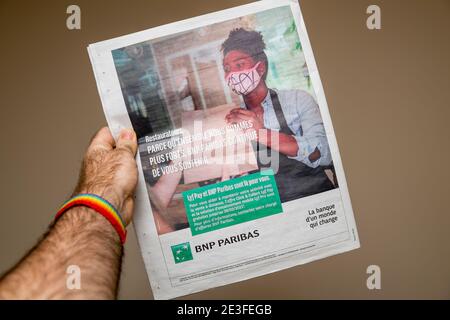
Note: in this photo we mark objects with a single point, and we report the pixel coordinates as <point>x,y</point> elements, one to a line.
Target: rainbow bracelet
<point>101,206</point>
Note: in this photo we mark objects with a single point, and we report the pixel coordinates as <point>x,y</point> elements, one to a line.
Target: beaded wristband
<point>99,205</point>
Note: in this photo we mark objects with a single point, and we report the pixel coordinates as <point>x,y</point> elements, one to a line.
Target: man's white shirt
<point>303,117</point>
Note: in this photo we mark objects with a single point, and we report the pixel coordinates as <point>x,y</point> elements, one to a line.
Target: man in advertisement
<point>288,123</point>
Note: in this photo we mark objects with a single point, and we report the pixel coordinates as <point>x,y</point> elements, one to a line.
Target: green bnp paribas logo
<point>182,252</point>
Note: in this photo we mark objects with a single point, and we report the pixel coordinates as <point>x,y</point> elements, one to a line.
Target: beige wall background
<point>388,94</point>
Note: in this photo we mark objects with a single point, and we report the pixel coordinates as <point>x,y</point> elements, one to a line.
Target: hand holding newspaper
<point>239,170</point>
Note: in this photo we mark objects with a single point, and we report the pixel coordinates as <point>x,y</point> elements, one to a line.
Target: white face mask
<point>244,82</point>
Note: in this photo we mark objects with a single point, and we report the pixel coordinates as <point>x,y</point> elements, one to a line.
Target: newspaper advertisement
<point>239,169</point>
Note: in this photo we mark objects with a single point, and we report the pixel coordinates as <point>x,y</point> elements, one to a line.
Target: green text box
<point>232,202</point>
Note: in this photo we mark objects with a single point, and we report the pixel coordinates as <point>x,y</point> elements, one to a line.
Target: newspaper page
<point>239,169</point>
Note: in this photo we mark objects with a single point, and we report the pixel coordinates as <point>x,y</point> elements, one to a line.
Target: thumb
<point>127,141</point>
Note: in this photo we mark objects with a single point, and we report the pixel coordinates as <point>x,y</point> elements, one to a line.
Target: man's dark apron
<point>294,178</point>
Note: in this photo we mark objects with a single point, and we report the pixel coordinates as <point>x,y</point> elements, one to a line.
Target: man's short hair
<point>248,41</point>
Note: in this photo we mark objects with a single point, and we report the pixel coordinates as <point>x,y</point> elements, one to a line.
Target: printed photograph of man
<point>288,122</point>
<point>254,67</point>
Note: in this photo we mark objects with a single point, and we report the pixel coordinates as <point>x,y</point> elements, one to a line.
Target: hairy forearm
<point>81,237</point>
<point>81,254</point>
